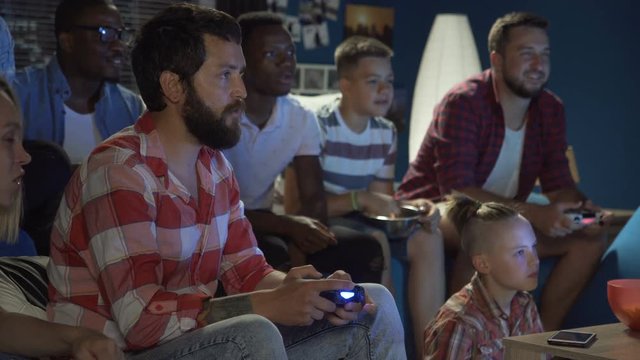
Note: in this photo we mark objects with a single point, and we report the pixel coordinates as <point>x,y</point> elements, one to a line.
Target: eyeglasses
<point>110,34</point>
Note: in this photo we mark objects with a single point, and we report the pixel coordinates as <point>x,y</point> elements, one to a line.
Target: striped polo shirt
<point>350,160</point>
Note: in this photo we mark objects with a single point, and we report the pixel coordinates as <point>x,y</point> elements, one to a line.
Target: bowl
<point>624,300</point>
<point>397,227</point>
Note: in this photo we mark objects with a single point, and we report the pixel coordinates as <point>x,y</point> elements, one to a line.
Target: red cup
<point>624,300</point>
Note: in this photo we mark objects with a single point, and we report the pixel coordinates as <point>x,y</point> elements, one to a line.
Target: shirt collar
<point>273,123</point>
<point>59,85</point>
<point>153,152</point>
<point>488,305</point>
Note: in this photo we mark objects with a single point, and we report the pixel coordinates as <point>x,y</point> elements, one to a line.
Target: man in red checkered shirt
<point>152,222</point>
<point>492,136</point>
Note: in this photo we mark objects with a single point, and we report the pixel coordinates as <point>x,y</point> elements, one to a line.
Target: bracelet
<point>354,201</point>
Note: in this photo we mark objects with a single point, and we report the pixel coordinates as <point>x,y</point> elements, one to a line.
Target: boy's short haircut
<point>354,48</point>
<point>467,213</point>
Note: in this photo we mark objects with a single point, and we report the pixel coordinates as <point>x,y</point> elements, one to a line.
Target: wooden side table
<point>614,341</point>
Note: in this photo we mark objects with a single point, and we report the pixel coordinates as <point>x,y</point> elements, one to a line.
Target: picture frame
<point>315,79</point>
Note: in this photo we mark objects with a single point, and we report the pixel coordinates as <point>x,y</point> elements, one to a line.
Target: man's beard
<point>519,88</point>
<point>207,126</point>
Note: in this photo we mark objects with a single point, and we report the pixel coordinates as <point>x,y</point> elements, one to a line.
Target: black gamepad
<point>342,297</point>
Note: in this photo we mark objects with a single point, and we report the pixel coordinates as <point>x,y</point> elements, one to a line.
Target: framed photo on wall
<point>372,21</point>
<point>315,79</point>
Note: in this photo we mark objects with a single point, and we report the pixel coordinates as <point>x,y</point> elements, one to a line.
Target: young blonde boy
<point>496,303</point>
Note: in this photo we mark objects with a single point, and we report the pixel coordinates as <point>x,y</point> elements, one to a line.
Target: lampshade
<point>449,57</point>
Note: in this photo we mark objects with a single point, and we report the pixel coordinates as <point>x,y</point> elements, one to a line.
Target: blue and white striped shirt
<point>350,161</point>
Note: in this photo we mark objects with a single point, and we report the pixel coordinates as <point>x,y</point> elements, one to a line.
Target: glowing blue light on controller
<point>347,294</point>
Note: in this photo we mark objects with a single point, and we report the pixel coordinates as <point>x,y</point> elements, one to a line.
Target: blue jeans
<point>377,336</point>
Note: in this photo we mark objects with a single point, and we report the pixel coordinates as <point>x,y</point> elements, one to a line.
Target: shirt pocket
<point>489,350</point>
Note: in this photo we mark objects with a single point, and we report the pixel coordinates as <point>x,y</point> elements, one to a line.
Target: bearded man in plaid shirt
<point>152,223</point>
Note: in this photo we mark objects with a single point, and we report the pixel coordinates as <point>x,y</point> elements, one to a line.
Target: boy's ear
<point>344,85</point>
<point>171,86</point>
<point>481,263</point>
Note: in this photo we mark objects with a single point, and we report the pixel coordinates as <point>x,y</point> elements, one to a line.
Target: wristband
<point>354,201</point>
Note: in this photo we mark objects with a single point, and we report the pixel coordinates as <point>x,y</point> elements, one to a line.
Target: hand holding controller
<point>582,217</point>
<point>342,297</point>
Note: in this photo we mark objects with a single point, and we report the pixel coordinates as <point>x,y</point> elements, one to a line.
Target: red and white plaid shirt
<point>133,254</point>
<point>471,325</point>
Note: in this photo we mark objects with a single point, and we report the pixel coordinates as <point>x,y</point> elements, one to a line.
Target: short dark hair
<point>464,212</point>
<point>69,11</point>
<point>256,19</point>
<point>173,40</point>
<point>499,33</point>
<point>354,48</point>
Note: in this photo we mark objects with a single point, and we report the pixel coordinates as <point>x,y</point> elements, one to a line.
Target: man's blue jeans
<point>376,336</point>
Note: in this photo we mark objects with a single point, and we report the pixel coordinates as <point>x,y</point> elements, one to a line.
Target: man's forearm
<point>272,280</point>
<point>28,336</point>
<point>314,207</point>
<point>481,195</point>
<point>486,196</point>
<point>526,209</point>
<point>218,309</point>
<point>266,222</point>
<point>310,187</point>
<point>338,205</point>
<point>571,194</point>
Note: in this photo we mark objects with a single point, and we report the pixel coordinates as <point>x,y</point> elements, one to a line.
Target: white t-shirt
<point>80,134</point>
<point>262,154</point>
<point>505,176</point>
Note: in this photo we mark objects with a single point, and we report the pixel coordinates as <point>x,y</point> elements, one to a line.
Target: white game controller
<point>582,217</point>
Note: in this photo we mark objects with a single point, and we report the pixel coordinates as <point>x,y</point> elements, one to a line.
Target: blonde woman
<point>12,158</point>
<point>25,335</point>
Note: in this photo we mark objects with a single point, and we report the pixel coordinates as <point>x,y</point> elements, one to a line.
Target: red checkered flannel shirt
<point>133,254</point>
<point>464,140</point>
<point>471,325</point>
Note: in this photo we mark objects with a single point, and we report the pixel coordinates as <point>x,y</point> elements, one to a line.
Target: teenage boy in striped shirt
<point>358,163</point>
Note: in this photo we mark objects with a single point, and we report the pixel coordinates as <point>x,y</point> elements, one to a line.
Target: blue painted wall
<point>595,70</point>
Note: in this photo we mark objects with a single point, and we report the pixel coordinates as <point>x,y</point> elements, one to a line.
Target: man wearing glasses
<point>75,100</point>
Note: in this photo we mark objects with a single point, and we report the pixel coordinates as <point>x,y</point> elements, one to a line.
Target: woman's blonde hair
<point>10,216</point>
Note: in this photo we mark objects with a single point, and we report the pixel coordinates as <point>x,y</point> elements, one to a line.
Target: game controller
<point>582,217</point>
<point>342,297</point>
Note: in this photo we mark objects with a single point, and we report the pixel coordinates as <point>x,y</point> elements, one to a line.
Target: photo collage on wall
<point>309,26</point>
<point>372,21</point>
